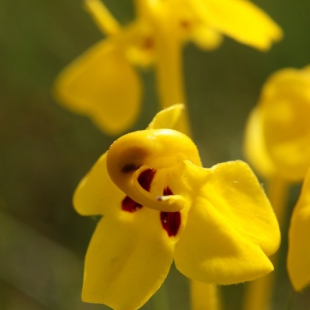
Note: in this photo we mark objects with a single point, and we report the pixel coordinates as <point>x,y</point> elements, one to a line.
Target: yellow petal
<point>285,110</point>
<point>127,260</point>
<point>97,194</point>
<point>231,227</point>
<point>239,19</point>
<point>298,259</point>
<point>255,146</point>
<point>170,118</point>
<point>206,37</point>
<point>103,85</point>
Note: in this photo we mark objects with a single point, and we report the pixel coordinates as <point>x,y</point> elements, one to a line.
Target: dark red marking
<point>171,221</point>
<point>130,205</point>
<point>145,179</point>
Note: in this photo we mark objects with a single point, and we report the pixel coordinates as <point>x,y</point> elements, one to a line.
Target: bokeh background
<point>45,150</point>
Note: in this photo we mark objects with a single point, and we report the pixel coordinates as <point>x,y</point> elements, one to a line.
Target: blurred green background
<point>46,150</point>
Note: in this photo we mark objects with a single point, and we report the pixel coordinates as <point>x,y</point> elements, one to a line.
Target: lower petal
<point>127,260</point>
<point>211,251</point>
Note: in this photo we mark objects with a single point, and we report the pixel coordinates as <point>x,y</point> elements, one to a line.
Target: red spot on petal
<point>130,205</point>
<point>145,179</point>
<point>171,221</point>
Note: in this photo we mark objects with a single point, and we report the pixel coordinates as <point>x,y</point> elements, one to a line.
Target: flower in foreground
<point>299,234</point>
<point>160,205</point>
<point>278,130</point>
<point>103,83</point>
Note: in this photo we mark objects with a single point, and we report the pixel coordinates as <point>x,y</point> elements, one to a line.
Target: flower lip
<point>149,149</point>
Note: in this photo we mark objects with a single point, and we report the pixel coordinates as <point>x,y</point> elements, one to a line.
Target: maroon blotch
<point>130,205</point>
<point>171,221</point>
<point>145,178</point>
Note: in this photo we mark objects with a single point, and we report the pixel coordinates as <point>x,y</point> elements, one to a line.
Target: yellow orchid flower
<point>160,205</point>
<point>278,130</point>
<point>103,84</point>
<point>299,233</point>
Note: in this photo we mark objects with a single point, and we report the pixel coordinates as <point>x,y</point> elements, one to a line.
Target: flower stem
<point>204,296</point>
<point>259,292</point>
<point>169,69</point>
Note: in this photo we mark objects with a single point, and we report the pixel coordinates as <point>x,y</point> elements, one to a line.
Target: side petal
<point>96,193</point>
<point>299,234</point>
<point>237,194</point>
<point>213,252</point>
<point>255,146</point>
<point>103,85</point>
<point>239,19</point>
<point>127,260</point>
<point>231,227</point>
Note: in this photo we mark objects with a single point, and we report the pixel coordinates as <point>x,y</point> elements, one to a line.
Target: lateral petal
<point>128,259</point>
<point>231,227</point>
<point>103,85</point>
<point>96,193</point>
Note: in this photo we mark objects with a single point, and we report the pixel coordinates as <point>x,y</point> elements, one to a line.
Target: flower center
<point>171,221</point>
<point>145,179</point>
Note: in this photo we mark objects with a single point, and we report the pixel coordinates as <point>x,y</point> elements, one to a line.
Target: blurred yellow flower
<point>103,84</point>
<point>278,131</point>
<point>160,205</point>
<point>299,234</point>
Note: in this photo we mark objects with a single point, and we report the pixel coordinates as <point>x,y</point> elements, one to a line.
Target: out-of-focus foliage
<point>45,150</point>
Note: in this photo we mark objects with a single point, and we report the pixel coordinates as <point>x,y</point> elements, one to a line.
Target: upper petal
<point>299,234</point>
<point>102,84</point>
<point>127,260</point>
<point>239,19</point>
<point>96,193</point>
<point>173,117</point>
<point>231,227</point>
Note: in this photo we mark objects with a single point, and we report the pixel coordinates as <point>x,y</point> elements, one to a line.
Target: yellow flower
<point>160,205</point>
<point>299,234</point>
<point>103,84</point>
<point>278,130</point>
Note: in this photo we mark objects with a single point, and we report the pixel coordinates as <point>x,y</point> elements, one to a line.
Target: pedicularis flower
<point>278,130</point>
<point>160,205</point>
<point>103,84</point>
<point>299,233</point>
